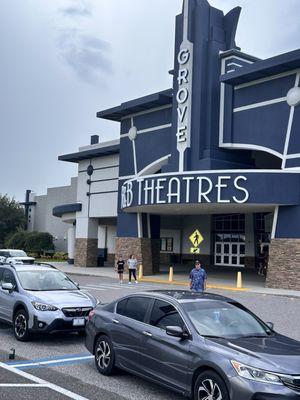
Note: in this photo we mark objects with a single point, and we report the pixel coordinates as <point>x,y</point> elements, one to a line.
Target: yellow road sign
<point>196,238</point>
<point>195,250</point>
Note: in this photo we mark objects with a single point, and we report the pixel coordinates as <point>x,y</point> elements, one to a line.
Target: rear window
<point>134,307</point>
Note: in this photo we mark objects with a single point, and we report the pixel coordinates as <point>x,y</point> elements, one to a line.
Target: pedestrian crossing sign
<point>196,238</point>
<point>195,250</point>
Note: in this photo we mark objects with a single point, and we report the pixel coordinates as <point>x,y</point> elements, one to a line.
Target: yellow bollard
<point>171,273</point>
<point>141,272</point>
<point>239,281</point>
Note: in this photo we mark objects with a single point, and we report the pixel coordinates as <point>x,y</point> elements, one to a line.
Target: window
<point>229,223</point>
<point>164,314</point>
<point>166,244</point>
<point>134,307</point>
<point>8,277</point>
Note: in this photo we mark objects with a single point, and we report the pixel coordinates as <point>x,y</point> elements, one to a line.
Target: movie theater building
<point>208,168</point>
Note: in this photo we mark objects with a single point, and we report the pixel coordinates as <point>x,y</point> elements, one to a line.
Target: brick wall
<point>86,252</point>
<point>145,250</point>
<point>284,264</point>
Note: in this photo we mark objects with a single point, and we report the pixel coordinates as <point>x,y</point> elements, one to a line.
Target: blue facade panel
<point>262,126</point>
<point>153,119</point>
<point>265,91</point>
<point>152,146</point>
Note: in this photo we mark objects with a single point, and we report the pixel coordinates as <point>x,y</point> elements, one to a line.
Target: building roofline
<point>94,151</point>
<point>137,105</point>
<point>58,211</point>
<point>264,68</point>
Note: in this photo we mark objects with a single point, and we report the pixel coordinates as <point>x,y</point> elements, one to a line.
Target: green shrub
<point>16,241</point>
<point>38,242</point>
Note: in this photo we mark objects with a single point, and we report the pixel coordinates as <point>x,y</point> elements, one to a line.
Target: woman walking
<point>120,269</point>
<point>132,266</point>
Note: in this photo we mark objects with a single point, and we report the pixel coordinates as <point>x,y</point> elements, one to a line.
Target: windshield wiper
<point>253,336</point>
<point>213,337</point>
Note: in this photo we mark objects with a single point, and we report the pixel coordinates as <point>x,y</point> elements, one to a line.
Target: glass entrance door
<point>230,254</point>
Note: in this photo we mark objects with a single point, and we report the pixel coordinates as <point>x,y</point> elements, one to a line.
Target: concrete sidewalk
<point>218,283</point>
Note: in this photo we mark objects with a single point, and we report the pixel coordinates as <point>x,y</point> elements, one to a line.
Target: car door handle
<point>115,321</point>
<point>147,333</point>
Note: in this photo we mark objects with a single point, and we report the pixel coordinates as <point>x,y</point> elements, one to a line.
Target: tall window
<point>166,244</point>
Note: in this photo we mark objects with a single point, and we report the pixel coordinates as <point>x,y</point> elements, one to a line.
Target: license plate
<point>78,322</point>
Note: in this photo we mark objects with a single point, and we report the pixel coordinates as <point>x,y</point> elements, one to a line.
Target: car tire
<point>20,326</point>
<point>105,356</point>
<point>210,385</point>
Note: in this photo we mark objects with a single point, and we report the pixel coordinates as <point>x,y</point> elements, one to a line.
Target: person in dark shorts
<point>120,269</point>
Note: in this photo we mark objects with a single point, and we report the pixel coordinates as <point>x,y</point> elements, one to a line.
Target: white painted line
<point>60,360</point>
<point>151,110</point>
<point>23,385</point>
<point>152,129</point>
<point>252,147</point>
<point>42,382</point>
<point>234,64</point>
<point>289,128</point>
<point>269,78</point>
<point>274,226</point>
<point>261,104</point>
<point>231,70</point>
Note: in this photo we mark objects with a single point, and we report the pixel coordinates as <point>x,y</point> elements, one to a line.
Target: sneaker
<point>129,283</point>
<point>136,281</point>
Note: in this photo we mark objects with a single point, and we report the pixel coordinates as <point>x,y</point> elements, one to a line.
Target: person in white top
<point>132,266</point>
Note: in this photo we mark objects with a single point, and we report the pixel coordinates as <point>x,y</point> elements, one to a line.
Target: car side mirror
<point>177,331</point>
<point>270,325</point>
<point>8,286</point>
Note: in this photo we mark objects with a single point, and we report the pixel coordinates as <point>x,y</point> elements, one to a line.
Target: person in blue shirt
<point>198,278</point>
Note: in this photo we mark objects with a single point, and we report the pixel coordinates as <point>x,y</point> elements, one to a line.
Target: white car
<point>14,257</point>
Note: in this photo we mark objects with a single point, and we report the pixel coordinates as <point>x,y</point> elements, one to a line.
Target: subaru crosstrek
<point>42,299</point>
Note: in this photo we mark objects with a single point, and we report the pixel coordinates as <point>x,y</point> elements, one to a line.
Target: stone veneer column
<point>146,250</point>
<point>86,252</point>
<point>284,264</point>
<point>86,245</point>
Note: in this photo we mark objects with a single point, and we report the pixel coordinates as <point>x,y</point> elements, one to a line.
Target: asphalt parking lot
<point>59,366</point>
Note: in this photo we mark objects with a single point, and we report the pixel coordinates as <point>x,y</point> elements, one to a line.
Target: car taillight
<point>91,314</point>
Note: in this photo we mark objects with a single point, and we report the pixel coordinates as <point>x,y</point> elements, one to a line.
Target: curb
<point>184,283</point>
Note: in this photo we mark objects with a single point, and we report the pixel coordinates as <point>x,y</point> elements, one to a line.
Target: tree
<point>16,241</point>
<point>12,218</point>
<point>38,242</point>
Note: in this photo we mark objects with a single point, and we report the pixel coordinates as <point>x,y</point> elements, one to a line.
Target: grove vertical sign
<point>184,93</point>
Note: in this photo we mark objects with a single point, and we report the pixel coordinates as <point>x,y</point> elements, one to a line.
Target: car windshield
<point>17,253</point>
<point>45,280</point>
<point>226,320</point>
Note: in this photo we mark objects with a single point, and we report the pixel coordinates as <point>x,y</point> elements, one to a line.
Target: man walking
<point>198,278</point>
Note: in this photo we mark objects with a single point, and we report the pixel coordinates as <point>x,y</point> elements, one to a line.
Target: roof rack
<point>42,264</point>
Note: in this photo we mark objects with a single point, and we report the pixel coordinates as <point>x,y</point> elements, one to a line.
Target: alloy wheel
<point>103,354</point>
<point>209,390</point>
<point>20,325</point>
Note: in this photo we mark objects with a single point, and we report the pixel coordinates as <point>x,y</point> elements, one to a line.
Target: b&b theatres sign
<point>184,189</point>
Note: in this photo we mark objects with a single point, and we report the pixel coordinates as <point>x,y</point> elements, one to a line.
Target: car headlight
<point>256,374</point>
<point>43,307</point>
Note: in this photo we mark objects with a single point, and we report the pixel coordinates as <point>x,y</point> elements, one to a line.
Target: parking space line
<point>61,361</point>
<point>22,385</point>
<point>43,383</point>
<point>54,359</point>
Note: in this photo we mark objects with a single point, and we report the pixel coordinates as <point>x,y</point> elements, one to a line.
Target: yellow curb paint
<point>183,283</point>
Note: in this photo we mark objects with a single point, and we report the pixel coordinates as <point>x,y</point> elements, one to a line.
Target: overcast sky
<point>64,60</point>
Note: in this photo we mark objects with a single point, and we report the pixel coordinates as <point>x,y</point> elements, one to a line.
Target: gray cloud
<point>87,55</point>
<point>79,8</point>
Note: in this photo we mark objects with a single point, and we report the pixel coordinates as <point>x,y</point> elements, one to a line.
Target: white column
<point>71,242</point>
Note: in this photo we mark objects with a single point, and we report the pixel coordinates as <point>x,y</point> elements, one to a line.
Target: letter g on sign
<point>183,56</point>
